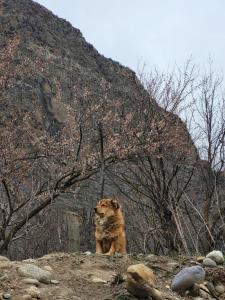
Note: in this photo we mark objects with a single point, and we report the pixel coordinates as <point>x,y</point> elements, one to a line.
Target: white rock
<point>87,253</point>
<point>217,256</point>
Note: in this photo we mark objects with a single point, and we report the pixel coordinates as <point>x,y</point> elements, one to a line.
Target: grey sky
<point>156,32</point>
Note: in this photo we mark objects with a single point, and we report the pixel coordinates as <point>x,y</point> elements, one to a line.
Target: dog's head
<point>106,207</point>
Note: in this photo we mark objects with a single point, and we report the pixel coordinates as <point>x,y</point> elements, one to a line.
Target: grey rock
<point>187,277</point>
<point>32,271</point>
<point>208,262</point>
<point>217,256</point>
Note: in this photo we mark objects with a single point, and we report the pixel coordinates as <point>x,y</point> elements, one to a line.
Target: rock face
<point>51,69</point>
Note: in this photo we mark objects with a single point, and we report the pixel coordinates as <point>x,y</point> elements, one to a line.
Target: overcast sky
<point>156,32</point>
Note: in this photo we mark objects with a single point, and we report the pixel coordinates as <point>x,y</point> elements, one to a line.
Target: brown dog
<point>109,234</point>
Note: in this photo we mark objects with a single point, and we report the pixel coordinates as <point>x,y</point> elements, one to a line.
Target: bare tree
<point>209,127</point>
<point>199,101</point>
<point>172,90</point>
<point>155,186</point>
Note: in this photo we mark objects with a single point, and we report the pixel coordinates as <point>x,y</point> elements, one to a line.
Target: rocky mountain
<point>64,109</point>
<point>48,70</point>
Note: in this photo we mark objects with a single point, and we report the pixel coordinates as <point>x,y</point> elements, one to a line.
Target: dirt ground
<point>90,276</point>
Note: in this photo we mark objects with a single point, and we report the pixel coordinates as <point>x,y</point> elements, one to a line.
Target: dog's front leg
<point>98,247</point>
<point>112,249</point>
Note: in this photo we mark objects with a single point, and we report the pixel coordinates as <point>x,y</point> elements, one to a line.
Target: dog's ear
<point>115,203</point>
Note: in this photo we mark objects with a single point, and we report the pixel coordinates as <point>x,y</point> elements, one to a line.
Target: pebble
<point>98,280</point>
<point>187,277</point>
<point>33,291</point>
<point>31,281</point>
<point>200,259</point>
<point>173,265</point>
<point>220,288</point>
<point>6,296</point>
<point>53,281</point>
<point>152,258</point>
<point>204,291</point>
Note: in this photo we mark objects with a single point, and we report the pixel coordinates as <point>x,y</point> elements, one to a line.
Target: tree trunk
<point>73,231</point>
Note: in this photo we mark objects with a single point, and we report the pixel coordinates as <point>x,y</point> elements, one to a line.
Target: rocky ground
<point>88,276</point>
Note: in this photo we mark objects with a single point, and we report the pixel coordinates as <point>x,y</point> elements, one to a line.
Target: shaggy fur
<point>109,234</point>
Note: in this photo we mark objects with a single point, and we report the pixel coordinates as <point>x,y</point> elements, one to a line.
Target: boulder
<point>187,277</point>
<point>33,271</point>
<point>217,256</point>
<point>140,282</point>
